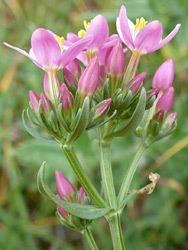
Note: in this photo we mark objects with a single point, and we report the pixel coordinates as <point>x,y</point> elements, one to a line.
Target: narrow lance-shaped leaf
<point>83,211</point>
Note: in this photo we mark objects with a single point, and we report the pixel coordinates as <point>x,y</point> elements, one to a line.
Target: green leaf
<point>82,211</point>
<point>32,131</point>
<point>82,122</point>
<point>135,118</point>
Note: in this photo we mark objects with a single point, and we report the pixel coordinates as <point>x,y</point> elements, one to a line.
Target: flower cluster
<point>88,84</point>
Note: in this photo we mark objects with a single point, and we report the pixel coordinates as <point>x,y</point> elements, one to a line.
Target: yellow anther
<point>59,40</point>
<point>82,32</point>
<point>140,23</point>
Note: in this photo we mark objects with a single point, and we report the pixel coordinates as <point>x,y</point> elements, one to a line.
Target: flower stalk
<point>90,239</point>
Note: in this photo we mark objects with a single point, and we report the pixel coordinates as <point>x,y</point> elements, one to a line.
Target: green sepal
<point>82,122</point>
<point>82,211</point>
<point>32,131</point>
<point>61,119</point>
<point>135,118</point>
<point>150,101</point>
<point>64,222</point>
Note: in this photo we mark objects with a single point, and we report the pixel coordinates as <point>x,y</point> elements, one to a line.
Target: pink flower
<point>61,210</point>
<point>81,194</point>
<point>46,52</point>
<point>143,38</point>
<point>74,68</point>
<point>34,100</point>
<point>64,186</point>
<point>164,76</point>
<point>46,84</point>
<point>66,98</point>
<point>172,118</point>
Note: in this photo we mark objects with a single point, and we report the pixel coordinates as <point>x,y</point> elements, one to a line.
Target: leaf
<point>135,118</point>
<point>32,131</point>
<point>82,211</point>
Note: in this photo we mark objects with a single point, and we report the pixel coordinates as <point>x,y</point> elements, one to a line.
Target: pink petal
<point>64,186</point>
<point>168,38</point>
<point>72,37</point>
<point>74,50</point>
<point>123,28</point>
<point>61,210</point>
<point>99,30</point>
<point>148,37</point>
<point>45,48</point>
<point>24,53</point>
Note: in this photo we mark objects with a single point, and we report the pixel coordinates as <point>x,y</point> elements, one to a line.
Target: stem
<point>90,239</point>
<point>83,178</point>
<point>54,87</point>
<point>116,232</point>
<point>130,173</point>
<point>131,68</point>
<point>106,173</point>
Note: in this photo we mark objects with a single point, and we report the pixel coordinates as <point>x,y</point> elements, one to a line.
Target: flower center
<point>59,40</point>
<point>140,23</point>
<point>82,32</point>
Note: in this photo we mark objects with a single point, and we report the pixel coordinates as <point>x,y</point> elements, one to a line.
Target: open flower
<point>47,50</point>
<point>142,37</point>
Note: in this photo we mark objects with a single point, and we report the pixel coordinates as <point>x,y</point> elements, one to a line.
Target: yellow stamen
<point>82,32</point>
<point>59,40</point>
<point>140,23</point>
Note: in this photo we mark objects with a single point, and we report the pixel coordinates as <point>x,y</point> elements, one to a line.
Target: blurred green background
<point>158,221</point>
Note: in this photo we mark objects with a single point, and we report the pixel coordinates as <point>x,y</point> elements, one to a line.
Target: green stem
<point>130,173</point>
<point>131,68</point>
<point>83,178</point>
<point>116,232</point>
<point>90,239</point>
<point>106,173</point>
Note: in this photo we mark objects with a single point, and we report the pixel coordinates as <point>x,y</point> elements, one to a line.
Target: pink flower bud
<point>172,118</point>
<point>74,68</point>
<point>135,83</point>
<point>81,194</point>
<point>154,91</point>
<point>66,98</point>
<point>61,210</point>
<point>64,186</point>
<point>164,76</point>
<point>90,78</point>
<point>116,60</point>
<point>46,84</point>
<point>69,77</point>
<point>102,72</point>
<point>166,100</point>
<point>103,108</point>
<point>34,100</point>
<point>46,105</point>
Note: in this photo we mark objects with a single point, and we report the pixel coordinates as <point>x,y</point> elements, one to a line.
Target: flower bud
<point>74,68</point>
<point>172,118</point>
<point>46,84</point>
<point>66,98</point>
<point>116,60</point>
<point>61,210</point>
<point>69,77</point>
<point>34,100</point>
<point>64,186</point>
<point>81,194</point>
<point>166,100</point>
<point>90,78</point>
<point>154,91</point>
<point>135,83</point>
<point>103,108</point>
<point>45,103</point>
<point>164,76</point>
